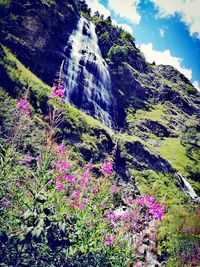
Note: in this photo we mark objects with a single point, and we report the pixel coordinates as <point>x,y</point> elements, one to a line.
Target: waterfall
<point>188,188</point>
<point>86,76</point>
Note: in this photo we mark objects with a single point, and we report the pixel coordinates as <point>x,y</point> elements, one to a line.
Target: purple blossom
<point>6,202</point>
<point>94,191</point>
<point>80,206</point>
<point>85,179</point>
<point>76,193</point>
<point>72,179</point>
<point>129,201</point>
<point>60,150</point>
<point>61,165</point>
<point>89,166</point>
<point>109,241</point>
<point>114,189</point>
<point>58,91</point>
<point>27,159</point>
<point>23,106</point>
<point>39,159</point>
<point>154,209</point>
<point>145,200</point>
<point>106,168</point>
<point>112,216</point>
<point>59,186</point>
<point>157,211</point>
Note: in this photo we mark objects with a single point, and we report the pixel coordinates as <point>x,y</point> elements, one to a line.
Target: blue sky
<point>167,31</point>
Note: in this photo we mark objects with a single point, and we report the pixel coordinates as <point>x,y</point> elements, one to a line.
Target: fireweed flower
<point>85,179</point>
<point>106,168</point>
<point>94,191</point>
<point>61,165</point>
<point>58,91</point>
<point>60,150</point>
<point>27,159</point>
<point>39,159</point>
<point>89,166</point>
<point>76,193</point>
<point>59,186</point>
<point>114,189</point>
<point>23,106</point>
<point>79,206</point>
<point>145,200</point>
<point>154,209</point>
<point>109,241</point>
<point>72,179</point>
<point>5,202</point>
<point>112,216</point>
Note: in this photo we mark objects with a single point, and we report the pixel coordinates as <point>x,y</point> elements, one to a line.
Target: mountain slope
<point>155,110</point>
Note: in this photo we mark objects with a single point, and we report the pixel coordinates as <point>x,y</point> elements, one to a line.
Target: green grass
<point>155,114</point>
<point>172,150</point>
<point>20,74</point>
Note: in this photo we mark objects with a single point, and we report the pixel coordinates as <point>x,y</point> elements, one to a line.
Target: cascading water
<point>188,188</point>
<point>86,76</point>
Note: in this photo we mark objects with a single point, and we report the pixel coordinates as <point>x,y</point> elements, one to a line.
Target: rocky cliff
<point>144,116</point>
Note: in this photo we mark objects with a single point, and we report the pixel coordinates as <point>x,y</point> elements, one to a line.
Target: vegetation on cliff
<point>54,202</point>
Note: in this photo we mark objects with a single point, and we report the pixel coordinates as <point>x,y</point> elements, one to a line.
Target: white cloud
<point>96,6</point>
<point>162,32</point>
<point>189,11</point>
<point>164,58</point>
<point>126,27</point>
<point>196,85</point>
<point>126,9</point>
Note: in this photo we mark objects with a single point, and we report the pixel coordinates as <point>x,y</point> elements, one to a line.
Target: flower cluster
<point>107,168</point>
<point>27,159</point>
<point>60,150</point>
<point>114,189</point>
<point>58,91</point>
<point>61,165</point>
<point>109,241</point>
<point>154,209</point>
<point>23,106</point>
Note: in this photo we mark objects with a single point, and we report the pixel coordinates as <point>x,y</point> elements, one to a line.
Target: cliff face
<point>153,141</point>
<point>37,32</point>
<point>154,107</point>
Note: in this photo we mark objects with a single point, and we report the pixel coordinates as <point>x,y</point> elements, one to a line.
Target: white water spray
<point>87,79</point>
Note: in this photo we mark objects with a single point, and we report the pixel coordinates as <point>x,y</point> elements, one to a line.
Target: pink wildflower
<point>112,216</point>
<point>61,165</point>
<point>23,106</point>
<point>94,191</point>
<point>76,193</point>
<point>89,166</point>
<point>72,179</point>
<point>59,186</point>
<point>79,206</point>
<point>109,241</point>
<point>145,200</point>
<point>114,189</point>
<point>60,150</point>
<point>107,168</point>
<point>129,201</point>
<point>85,179</point>
<point>6,202</point>
<point>157,211</point>
<point>39,159</point>
<point>154,209</point>
<point>27,159</point>
<point>58,91</point>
